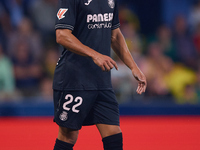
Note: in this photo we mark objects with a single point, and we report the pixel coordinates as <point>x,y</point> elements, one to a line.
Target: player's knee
<point>108,130</point>
<point>68,135</point>
<point>112,131</point>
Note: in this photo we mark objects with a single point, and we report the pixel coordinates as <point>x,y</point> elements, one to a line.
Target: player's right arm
<point>65,38</point>
<point>66,20</point>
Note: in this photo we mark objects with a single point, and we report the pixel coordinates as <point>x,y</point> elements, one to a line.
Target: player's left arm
<point>120,47</point>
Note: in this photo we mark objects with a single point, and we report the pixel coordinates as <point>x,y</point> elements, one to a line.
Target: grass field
<point>140,133</point>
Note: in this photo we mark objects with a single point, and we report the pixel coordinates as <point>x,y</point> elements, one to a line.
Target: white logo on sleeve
<point>88,3</point>
<point>61,13</point>
<point>111,3</point>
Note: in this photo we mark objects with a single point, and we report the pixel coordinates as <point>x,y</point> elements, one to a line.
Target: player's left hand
<point>142,82</point>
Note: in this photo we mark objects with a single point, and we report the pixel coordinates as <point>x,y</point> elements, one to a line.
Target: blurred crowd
<point>170,57</point>
<point>28,51</point>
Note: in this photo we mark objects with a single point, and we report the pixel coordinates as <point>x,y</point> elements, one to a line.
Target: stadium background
<point>164,38</point>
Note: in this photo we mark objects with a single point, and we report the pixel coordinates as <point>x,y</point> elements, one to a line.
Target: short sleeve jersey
<point>91,22</point>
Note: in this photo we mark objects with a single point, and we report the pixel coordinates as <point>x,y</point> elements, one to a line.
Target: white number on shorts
<point>70,99</point>
<point>78,104</point>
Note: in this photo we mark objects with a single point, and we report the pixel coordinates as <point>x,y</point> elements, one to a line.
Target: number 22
<point>71,98</point>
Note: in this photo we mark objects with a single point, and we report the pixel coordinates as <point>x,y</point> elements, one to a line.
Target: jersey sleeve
<point>115,22</point>
<point>66,15</point>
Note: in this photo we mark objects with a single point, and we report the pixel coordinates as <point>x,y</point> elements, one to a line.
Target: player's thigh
<point>107,130</point>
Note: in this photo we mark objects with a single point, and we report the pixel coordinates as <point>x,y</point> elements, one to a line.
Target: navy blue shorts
<point>74,109</point>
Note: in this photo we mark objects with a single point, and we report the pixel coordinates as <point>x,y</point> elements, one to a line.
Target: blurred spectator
<point>46,91</point>
<point>5,28</point>
<point>130,27</point>
<point>190,96</point>
<point>180,81</point>
<point>13,7</point>
<point>127,16</point>
<point>164,38</point>
<point>7,81</point>
<point>185,51</point>
<point>26,33</point>
<point>50,60</point>
<point>194,16</point>
<point>27,70</point>
<point>43,13</point>
<point>155,66</point>
<point>196,39</point>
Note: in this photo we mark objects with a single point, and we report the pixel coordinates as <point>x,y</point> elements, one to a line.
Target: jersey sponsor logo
<point>61,13</point>
<point>99,21</point>
<point>88,3</point>
<point>100,17</point>
<point>111,3</point>
<point>99,25</point>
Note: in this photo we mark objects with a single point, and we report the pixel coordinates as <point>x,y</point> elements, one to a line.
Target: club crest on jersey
<point>63,116</point>
<point>111,3</point>
<point>61,13</point>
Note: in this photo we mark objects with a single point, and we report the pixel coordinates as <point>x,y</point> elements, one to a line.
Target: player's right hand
<point>104,62</point>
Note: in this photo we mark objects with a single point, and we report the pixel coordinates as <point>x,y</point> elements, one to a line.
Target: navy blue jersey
<point>91,21</point>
